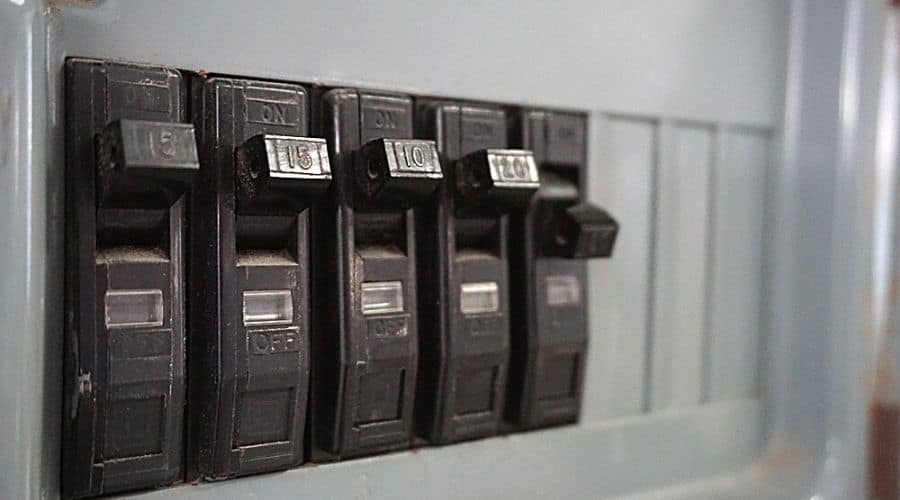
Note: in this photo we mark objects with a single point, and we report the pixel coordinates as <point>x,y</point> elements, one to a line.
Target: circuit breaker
<point>465,255</point>
<point>250,276</point>
<point>130,159</point>
<point>365,360</point>
<point>558,231</point>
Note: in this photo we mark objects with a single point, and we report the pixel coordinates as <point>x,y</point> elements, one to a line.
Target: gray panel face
<point>584,462</point>
<point>710,61</point>
<point>703,59</point>
<point>31,292</point>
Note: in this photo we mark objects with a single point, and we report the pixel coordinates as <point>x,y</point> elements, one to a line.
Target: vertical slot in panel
<point>678,339</point>
<point>734,316</point>
<point>620,177</point>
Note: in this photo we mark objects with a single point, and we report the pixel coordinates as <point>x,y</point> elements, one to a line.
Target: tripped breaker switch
<point>560,230</point>
<point>577,231</point>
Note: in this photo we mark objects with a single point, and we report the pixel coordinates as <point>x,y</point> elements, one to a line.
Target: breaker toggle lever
<point>579,231</point>
<point>505,175</point>
<point>137,156</point>
<point>398,167</point>
<point>280,165</point>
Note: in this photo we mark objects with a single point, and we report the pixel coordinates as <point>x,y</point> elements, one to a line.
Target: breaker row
<point>262,274</point>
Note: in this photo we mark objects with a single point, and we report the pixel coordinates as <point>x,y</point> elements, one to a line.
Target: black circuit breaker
<point>559,231</point>
<point>365,354</point>
<point>250,275</point>
<point>129,159</point>
<point>464,261</point>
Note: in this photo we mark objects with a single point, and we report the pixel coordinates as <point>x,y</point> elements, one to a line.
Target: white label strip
<point>382,297</point>
<point>134,308</point>
<point>268,307</point>
<point>564,290</point>
<point>479,298</point>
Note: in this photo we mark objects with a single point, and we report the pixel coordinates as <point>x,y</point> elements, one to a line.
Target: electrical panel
<point>286,273</point>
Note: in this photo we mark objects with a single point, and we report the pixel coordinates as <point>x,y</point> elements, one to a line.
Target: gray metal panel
<point>591,461</point>
<point>30,263</point>
<point>822,268</point>
<point>709,60</point>
<point>699,59</point>
<point>802,215</point>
